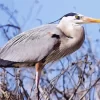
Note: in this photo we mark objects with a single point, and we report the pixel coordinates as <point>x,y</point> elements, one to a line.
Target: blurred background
<point>74,77</point>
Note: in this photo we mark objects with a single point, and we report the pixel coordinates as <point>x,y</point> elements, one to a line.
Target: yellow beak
<point>90,20</point>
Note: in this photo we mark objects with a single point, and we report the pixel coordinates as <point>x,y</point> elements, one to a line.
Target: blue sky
<point>49,10</point>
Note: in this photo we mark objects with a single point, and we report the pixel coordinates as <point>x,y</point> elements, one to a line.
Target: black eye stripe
<point>70,14</point>
<point>66,15</point>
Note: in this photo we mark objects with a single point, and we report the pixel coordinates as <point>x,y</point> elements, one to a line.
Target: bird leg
<point>38,67</point>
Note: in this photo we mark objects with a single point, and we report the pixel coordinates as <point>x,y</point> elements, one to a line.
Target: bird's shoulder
<point>43,29</point>
<point>32,45</point>
<point>38,32</point>
<point>35,34</point>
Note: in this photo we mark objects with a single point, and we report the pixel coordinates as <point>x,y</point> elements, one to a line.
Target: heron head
<point>79,19</point>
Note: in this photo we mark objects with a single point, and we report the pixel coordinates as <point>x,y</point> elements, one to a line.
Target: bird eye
<point>77,17</point>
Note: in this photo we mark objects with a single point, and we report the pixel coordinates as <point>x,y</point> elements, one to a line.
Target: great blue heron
<point>46,43</point>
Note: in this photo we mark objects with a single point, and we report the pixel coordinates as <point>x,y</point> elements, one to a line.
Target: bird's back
<point>32,45</point>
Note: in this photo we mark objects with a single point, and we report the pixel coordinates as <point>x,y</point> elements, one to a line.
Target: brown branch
<point>89,89</point>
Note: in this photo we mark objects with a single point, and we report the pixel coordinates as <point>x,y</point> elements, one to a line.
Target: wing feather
<point>31,46</point>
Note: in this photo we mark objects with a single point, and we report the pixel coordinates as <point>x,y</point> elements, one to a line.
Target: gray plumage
<point>45,44</point>
<point>36,44</point>
<point>30,46</point>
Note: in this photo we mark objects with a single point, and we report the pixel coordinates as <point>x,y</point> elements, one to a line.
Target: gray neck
<point>75,31</point>
<point>71,29</point>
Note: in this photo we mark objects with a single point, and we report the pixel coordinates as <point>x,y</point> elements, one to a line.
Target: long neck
<point>75,33</point>
<point>71,29</point>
